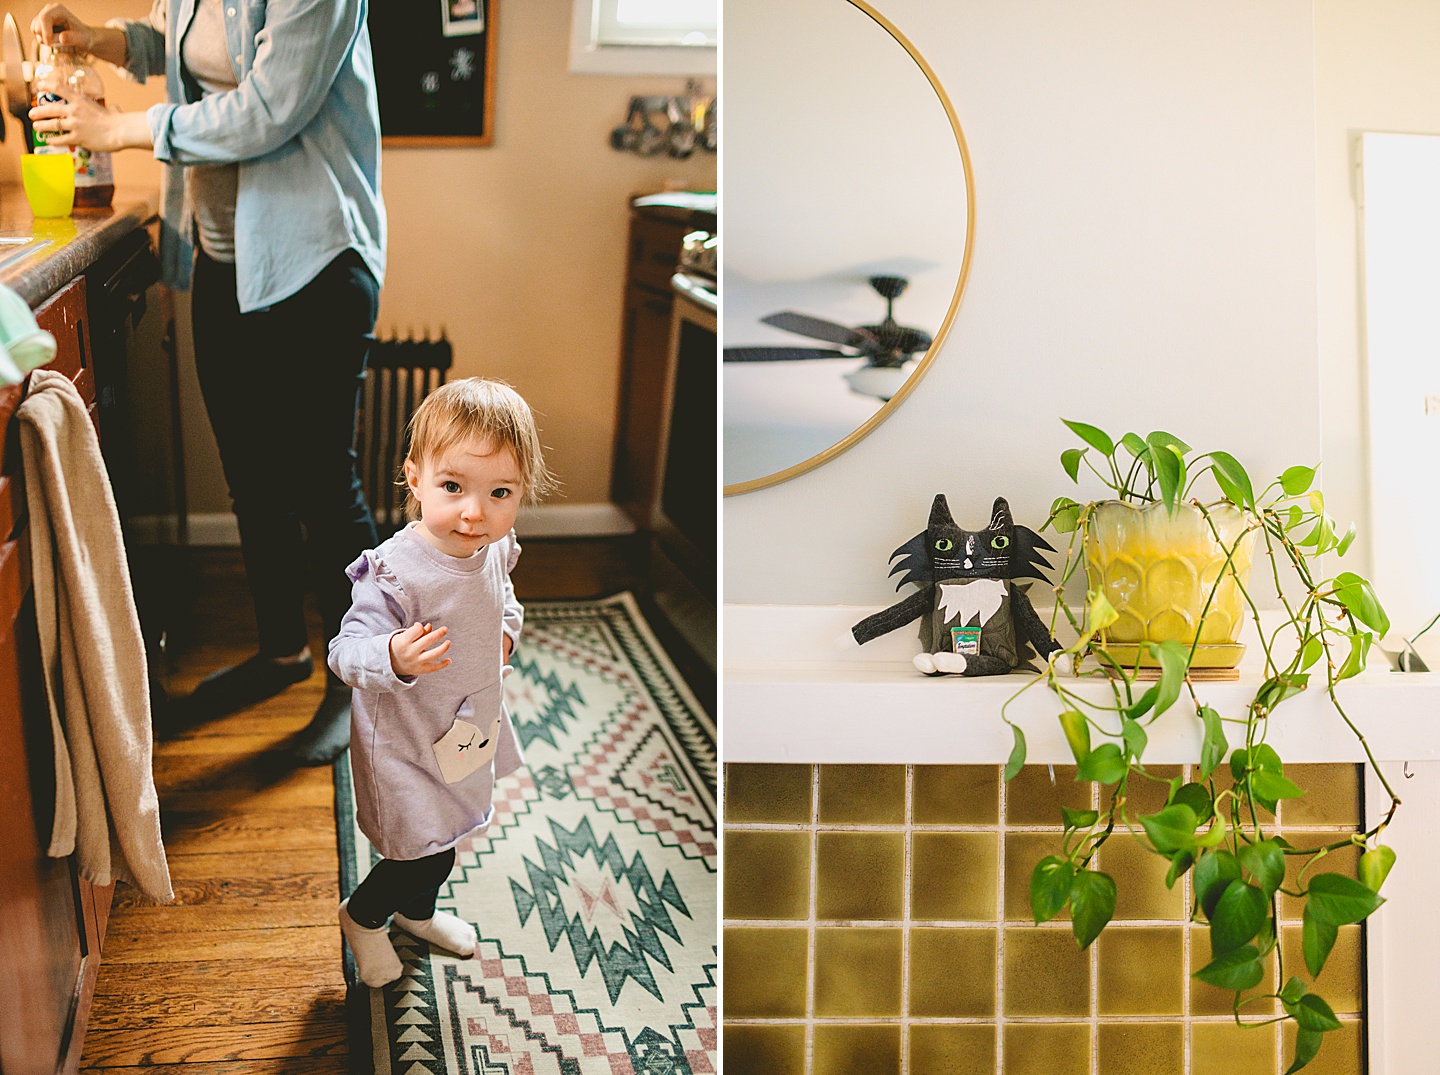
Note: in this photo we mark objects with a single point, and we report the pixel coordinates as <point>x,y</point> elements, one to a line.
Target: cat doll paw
<point>954,663</point>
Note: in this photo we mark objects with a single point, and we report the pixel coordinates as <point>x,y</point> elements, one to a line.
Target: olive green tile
<point>764,1050</point>
<point>1206,999</point>
<point>1148,795</point>
<point>861,875</point>
<point>852,1050</point>
<point>767,875</point>
<point>956,795</point>
<point>953,876</point>
<point>1139,874</point>
<point>1142,970</point>
<point>1047,1049</point>
<point>1342,979</point>
<point>1342,1053</point>
<point>1226,1049</point>
<point>862,794</point>
<point>1022,851</point>
<point>768,793</point>
<point>952,972</point>
<point>1138,1048</point>
<point>764,973</point>
<point>1031,799</point>
<point>1332,796</point>
<point>951,1050</point>
<point>1045,973</point>
<point>1344,860</point>
<point>857,972</point>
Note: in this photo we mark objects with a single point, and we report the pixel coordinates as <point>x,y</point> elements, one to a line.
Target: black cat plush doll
<point>973,620</point>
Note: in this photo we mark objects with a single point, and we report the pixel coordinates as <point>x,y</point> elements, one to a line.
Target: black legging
<point>282,387</point>
<point>405,885</point>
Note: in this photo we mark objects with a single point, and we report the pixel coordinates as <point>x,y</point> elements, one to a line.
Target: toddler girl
<point>425,646</point>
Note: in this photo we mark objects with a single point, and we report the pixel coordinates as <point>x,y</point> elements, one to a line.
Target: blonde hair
<point>480,409</point>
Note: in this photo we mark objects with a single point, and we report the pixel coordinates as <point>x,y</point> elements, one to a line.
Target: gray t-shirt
<point>403,801</point>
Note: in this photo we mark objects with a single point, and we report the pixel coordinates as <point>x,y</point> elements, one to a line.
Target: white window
<point>644,37</point>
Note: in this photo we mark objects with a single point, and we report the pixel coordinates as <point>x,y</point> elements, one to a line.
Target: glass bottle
<point>62,74</point>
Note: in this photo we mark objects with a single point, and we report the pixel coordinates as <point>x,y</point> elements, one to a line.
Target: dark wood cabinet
<point>52,922</point>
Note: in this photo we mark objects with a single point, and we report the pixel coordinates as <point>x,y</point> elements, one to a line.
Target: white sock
<point>449,932</point>
<point>375,959</point>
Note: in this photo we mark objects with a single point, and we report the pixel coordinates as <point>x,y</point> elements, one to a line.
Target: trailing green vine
<point>1220,832</point>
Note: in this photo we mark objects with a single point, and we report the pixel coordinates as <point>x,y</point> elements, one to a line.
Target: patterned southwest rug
<point>593,892</point>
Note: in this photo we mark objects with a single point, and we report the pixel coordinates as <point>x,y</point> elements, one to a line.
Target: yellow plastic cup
<point>49,183</point>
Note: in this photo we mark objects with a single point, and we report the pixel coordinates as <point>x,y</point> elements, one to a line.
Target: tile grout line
<point>810,923</point>
<point>1094,966</point>
<point>907,877</point>
<point>1001,807</point>
<point>1186,960</point>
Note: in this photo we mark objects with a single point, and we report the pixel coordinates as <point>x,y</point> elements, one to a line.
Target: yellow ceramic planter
<point>1158,569</point>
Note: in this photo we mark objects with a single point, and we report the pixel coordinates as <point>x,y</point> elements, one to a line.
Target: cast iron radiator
<point>399,375</point>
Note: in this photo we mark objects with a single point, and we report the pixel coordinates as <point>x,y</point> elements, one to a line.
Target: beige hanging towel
<point>106,809</point>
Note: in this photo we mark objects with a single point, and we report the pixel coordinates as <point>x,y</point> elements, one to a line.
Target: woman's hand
<point>413,651</point>
<point>57,25</point>
<point>82,122</point>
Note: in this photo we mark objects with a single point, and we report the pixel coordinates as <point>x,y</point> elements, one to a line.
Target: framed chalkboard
<point>435,71</point>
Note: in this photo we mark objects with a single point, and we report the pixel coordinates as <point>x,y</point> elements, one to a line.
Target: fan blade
<point>818,329</point>
<point>779,354</point>
<point>911,340</point>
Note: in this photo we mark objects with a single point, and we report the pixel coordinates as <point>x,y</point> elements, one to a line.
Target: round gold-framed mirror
<point>849,217</point>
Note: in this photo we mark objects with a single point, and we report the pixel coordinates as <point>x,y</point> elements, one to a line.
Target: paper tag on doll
<point>464,749</point>
<point>965,640</point>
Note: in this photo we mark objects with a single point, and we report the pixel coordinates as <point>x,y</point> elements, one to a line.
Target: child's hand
<point>409,655</point>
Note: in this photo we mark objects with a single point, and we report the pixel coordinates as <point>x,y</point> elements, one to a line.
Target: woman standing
<point>271,205</point>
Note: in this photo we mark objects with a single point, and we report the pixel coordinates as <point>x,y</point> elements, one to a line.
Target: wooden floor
<point>242,973</point>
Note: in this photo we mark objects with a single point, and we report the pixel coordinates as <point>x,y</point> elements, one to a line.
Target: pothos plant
<point>1220,831</point>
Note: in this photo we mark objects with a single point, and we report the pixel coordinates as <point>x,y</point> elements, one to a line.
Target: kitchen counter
<point>38,257</point>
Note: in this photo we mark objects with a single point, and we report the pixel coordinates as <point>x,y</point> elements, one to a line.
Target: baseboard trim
<point>545,521</point>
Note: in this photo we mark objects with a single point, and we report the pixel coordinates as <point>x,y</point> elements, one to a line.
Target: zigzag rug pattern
<point>593,892</point>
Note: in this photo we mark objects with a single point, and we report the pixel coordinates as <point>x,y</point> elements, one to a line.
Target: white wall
<point>1145,257</point>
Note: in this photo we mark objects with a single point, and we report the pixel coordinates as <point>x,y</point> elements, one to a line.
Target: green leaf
<point>1359,651</point>
<point>1077,732</point>
<point>1338,900</point>
<point>1238,970</point>
<point>1105,763</point>
<point>1293,515</point>
<point>1357,595</point>
<point>1375,866</point>
<point>1213,872</point>
<point>1180,862</point>
<point>1092,436</point>
<point>1064,515</point>
<point>1134,445</point>
<point>1294,989</point>
<point>1311,652</point>
<point>1092,903</point>
<point>1160,438</point>
<point>1238,916</point>
<point>1296,480</point>
<point>1317,501</point>
<point>1070,460</point>
<point>1078,819</point>
<point>1307,1044</point>
<point>1197,797</point>
<point>1174,658</point>
<point>1346,541</point>
<point>1171,829</point>
<point>1170,472</point>
<point>1317,938</point>
<point>1017,754</point>
<point>1212,750</point>
<point>1272,787</point>
<point>1143,704</point>
<point>1239,481</point>
<point>1265,863</point>
<point>1312,1013</point>
<point>1050,887</point>
<point>1258,758</point>
<point>1274,691</point>
<point>1101,613</point>
<point>1133,736</point>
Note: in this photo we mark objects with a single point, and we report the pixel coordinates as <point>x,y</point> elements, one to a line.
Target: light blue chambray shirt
<point>303,125</point>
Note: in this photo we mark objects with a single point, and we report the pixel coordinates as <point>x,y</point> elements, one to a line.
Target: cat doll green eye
<point>944,545</point>
<point>1000,542</point>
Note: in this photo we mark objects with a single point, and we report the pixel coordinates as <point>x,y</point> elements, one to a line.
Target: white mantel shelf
<point>792,694</point>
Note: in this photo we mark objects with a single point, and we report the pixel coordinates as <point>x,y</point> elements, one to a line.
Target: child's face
<point>468,496</point>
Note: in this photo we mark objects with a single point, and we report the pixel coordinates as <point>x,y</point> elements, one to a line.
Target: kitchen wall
<point>517,250</point>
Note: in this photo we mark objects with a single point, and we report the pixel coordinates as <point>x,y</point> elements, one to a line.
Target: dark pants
<point>407,886</point>
<point>282,386</point>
